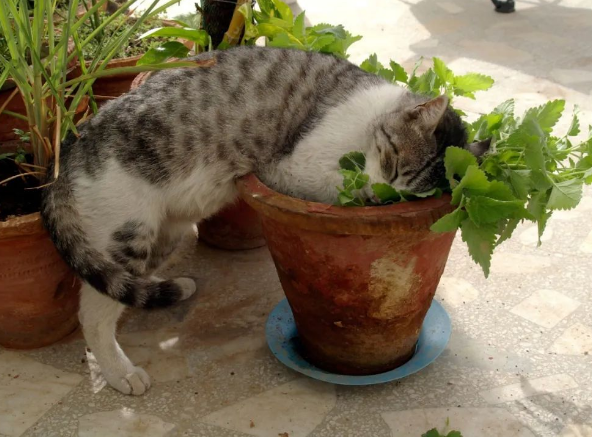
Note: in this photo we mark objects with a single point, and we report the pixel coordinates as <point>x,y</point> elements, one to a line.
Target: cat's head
<point>409,143</point>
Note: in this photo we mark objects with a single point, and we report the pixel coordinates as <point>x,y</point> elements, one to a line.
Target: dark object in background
<point>216,16</point>
<point>504,7</point>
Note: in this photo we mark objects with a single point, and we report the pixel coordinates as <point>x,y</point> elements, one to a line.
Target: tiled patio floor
<point>519,362</point>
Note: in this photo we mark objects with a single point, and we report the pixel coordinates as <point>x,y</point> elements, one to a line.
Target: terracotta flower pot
<point>236,227</point>
<point>359,280</point>
<point>38,292</point>
<point>116,85</point>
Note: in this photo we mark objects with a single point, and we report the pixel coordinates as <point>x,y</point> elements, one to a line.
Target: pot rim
<point>368,220</point>
<point>22,225</point>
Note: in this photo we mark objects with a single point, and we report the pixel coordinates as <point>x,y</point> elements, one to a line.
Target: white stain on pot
<point>391,284</point>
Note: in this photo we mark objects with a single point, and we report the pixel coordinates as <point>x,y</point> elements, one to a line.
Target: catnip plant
<point>529,172</point>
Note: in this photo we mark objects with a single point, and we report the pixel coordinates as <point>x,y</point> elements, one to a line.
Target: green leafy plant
<point>528,173</point>
<point>39,63</point>
<point>274,22</point>
<point>435,433</point>
<point>352,166</point>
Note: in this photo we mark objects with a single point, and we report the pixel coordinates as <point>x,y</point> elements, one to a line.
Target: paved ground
<point>518,363</point>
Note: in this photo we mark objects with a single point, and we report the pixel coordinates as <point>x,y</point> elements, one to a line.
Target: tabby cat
<point>164,156</point>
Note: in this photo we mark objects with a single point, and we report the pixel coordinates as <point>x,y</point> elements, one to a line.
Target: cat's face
<point>409,145</point>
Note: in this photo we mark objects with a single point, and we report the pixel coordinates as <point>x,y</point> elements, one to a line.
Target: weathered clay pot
<point>38,292</point>
<point>359,280</point>
<point>236,227</point>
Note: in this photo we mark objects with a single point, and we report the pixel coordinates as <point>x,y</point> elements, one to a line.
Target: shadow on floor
<point>547,39</point>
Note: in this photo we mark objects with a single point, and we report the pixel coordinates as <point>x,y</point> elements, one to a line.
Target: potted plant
<point>38,294</point>
<point>360,276</point>
<point>118,23</point>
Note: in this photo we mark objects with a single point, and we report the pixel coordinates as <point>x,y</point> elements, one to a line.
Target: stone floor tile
<point>122,423</point>
<point>528,387</point>
<point>456,291</point>
<point>546,308</point>
<point>575,340</point>
<point>28,389</point>
<point>472,422</point>
<point>295,408</point>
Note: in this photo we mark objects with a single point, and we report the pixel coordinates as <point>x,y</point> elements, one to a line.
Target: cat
<point>155,161</point>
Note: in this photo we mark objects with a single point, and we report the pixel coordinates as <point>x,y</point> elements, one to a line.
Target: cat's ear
<point>430,113</point>
<point>479,148</point>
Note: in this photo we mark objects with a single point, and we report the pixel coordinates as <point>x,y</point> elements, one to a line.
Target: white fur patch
<point>311,171</point>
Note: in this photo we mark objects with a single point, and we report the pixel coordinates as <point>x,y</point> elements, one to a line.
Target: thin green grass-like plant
<point>41,55</point>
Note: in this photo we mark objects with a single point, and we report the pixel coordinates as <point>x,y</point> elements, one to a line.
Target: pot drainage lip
<point>281,335</point>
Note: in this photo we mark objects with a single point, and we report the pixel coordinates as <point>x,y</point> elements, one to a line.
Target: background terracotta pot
<point>237,227</point>
<point>38,292</point>
<point>359,280</point>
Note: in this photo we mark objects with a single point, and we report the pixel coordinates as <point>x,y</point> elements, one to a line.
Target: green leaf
<point>566,194</point>
<point>484,210</point>
<point>506,108</point>
<point>426,84</point>
<point>400,75</point>
<point>371,65</point>
<point>540,180</point>
<point>520,182</point>
<point>454,434</point>
<point>284,10</point>
<point>387,74</point>
<point>456,162</point>
<point>588,176</point>
<point>507,230</point>
<point>266,6</point>
<point>467,84</point>
<point>442,71</point>
<point>474,182</point>
<point>156,55</point>
<point>348,199</point>
<point>499,191</point>
<point>286,41</point>
<point>299,26</point>
<point>537,207</point>
<point>321,42</point>
<point>337,31</point>
<point>547,115</point>
<point>431,433</point>
<point>386,193</point>
<point>450,222</point>
<point>353,161</point>
<point>199,36</point>
<point>354,179</point>
<point>480,241</point>
<point>532,144</point>
<point>269,30</point>
<point>574,128</point>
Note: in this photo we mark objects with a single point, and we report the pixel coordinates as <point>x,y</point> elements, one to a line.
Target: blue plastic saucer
<point>282,339</point>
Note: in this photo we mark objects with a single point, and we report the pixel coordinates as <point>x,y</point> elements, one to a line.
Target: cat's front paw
<point>136,382</point>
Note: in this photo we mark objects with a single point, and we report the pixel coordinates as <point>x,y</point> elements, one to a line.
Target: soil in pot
<point>359,280</point>
<point>15,200</point>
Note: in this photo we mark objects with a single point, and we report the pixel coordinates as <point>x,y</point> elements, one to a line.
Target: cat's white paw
<point>136,382</point>
<point>187,285</point>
